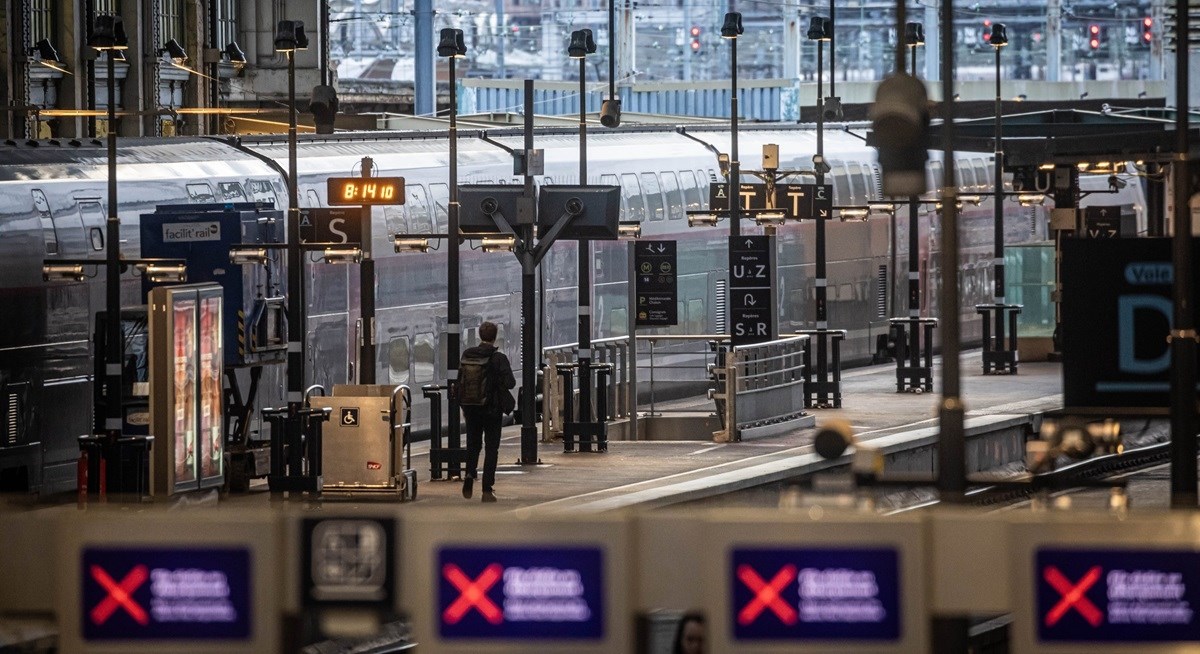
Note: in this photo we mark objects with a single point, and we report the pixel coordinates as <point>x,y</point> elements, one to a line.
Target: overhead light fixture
<point>1048,166</point>
<point>235,53</point>
<point>854,213</point>
<point>62,272</point>
<point>343,255</point>
<point>629,230</point>
<point>409,244</point>
<point>1031,199</point>
<point>450,44</point>
<point>43,53</point>
<point>498,243</point>
<point>248,256</point>
<point>732,27</point>
<point>770,217</point>
<point>882,207</point>
<point>702,219</point>
<point>290,36</point>
<point>108,33</point>
<point>163,272</point>
<point>970,199</point>
<point>914,34</point>
<point>819,29</point>
<point>582,44</point>
<point>999,37</point>
<point>175,51</point>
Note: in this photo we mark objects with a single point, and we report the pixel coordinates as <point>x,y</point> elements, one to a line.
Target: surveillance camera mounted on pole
<point>900,123</point>
<point>324,107</point>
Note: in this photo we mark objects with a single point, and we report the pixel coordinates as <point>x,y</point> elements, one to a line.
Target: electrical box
<point>770,156</point>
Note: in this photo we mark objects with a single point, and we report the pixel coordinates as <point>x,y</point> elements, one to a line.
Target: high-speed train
<point>52,205</point>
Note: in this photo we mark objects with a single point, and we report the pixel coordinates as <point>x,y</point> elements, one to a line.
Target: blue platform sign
<point>511,593</point>
<point>841,594</point>
<point>166,594</point>
<point>1117,595</point>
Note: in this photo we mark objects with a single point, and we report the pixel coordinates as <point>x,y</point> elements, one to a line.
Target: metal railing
<point>766,382</point>
<point>621,389</point>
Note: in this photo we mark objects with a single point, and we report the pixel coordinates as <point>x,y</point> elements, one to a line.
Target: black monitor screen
<point>478,201</point>
<point>601,208</point>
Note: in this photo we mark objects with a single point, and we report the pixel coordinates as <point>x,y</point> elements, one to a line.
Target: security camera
<point>833,109</point>
<point>489,205</point>
<point>1116,183</point>
<point>610,113</point>
<point>574,206</point>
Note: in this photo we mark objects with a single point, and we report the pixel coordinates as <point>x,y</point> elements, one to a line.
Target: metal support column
<point>585,272</point>
<point>453,292</point>
<point>530,357</point>
<point>295,289</point>
<point>366,293</point>
<point>115,345</point>
<point>424,88</point>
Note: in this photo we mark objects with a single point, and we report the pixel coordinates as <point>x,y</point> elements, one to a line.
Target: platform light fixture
<point>769,217</point>
<point>498,243</point>
<point>914,35</point>
<point>160,273</point>
<point>410,244</point>
<point>450,44</point>
<point>974,200</point>
<point>854,213</point>
<point>62,272</point>
<point>108,33</point>
<point>290,36</point>
<point>882,207</point>
<point>1031,199</point>
<point>342,254</point>
<point>582,44</point>
<point>732,27</point>
<point>702,219</point>
<point>43,53</point>
<point>247,256</point>
<point>235,54</point>
<point>628,230</point>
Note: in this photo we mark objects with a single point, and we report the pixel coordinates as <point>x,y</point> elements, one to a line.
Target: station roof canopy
<point>1072,136</point>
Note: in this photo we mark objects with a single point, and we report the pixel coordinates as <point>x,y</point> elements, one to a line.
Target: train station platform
<point>662,473</point>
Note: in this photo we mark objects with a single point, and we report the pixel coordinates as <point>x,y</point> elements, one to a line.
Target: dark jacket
<point>501,374</point>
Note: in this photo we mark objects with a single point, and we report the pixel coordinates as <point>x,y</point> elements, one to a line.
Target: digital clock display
<point>365,190</point>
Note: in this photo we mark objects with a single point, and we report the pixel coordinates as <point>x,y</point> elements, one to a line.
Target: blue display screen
<point>1117,595</point>
<point>174,594</point>
<point>815,594</point>
<point>521,593</point>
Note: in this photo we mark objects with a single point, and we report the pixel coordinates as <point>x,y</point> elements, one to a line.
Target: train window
<point>92,215</point>
<point>982,177</point>
<point>423,351</point>
<point>966,176</point>
<point>654,199</point>
<point>231,191</point>
<point>199,192</point>
<point>418,210</point>
<point>441,200</point>
<point>393,218</point>
<point>618,322</point>
<point>841,184</point>
<point>858,188</point>
<point>632,191</point>
<point>696,316</point>
<point>673,195</point>
<point>399,357</point>
<point>500,336</point>
<point>314,201</point>
<point>49,235</point>
<point>935,177</point>
<point>260,191</point>
<point>691,190</point>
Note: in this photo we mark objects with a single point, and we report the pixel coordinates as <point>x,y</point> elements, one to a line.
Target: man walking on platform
<point>484,379</point>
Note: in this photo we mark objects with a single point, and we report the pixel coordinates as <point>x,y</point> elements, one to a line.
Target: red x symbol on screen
<point>767,594</point>
<point>1073,596</point>
<point>120,595</point>
<point>473,594</point>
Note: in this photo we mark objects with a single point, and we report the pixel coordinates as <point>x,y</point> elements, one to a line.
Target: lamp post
<point>451,46</point>
<point>820,29</point>
<point>998,40</point>
<point>582,44</point>
<point>108,36</point>
<point>914,36</point>
<point>731,29</point>
<point>290,37</point>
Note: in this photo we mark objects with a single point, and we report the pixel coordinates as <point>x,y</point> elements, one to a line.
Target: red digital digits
<point>473,594</point>
<point>120,595</point>
<point>1074,596</point>
<point>767,595</point>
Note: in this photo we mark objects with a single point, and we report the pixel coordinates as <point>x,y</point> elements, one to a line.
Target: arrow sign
<point>657,295</point>
<point>751,278</point>
<point>1107,222</point>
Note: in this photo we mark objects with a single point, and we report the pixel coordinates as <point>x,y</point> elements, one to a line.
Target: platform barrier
<point>620,397</point>
<point>813,578</point>
<point>766,382</point>
<point>1000,353</point>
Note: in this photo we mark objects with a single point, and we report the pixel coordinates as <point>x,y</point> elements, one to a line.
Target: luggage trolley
<point>360,450</point>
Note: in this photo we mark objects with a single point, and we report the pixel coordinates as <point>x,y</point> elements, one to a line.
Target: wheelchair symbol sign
<point>349,416</point>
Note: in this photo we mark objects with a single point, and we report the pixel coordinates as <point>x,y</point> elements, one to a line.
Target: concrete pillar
<point>1053,41</point>
<point>554,47</point>
<point>425,92</point>
<point>1158,16</point>
<point>792,31</point>
<point>625,45</point>
<point>933,39</point>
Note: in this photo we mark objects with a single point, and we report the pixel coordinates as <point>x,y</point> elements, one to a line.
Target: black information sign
<point>348,561</point>
<point>1116,315</point>
<point>751,276</point>
<point>1107,222</point>
<point>656,286</point>
<point>799,201</point>
<point>331,225</point>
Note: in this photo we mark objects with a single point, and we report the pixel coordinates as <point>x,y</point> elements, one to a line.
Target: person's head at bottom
<point>487,332</point>
<point>690,635</point>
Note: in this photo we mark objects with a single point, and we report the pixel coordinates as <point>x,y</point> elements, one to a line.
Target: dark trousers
<point>483,431</point>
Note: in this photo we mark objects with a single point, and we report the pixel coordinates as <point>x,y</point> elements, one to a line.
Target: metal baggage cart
<point>364,443</point>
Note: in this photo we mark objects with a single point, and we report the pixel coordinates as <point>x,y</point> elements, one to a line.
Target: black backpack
<point>474,381</point>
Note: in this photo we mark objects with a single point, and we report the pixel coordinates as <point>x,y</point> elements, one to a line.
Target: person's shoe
<point>488,496</point>
<point>468,486</point>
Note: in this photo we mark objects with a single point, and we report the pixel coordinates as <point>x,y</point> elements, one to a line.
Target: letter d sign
<point>1127,359</point>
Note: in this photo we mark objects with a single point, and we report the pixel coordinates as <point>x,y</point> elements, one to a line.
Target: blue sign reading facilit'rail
<point>1117,595</point>
<point>521,593</point>
<point>841,594</point>
<point>166,594</point>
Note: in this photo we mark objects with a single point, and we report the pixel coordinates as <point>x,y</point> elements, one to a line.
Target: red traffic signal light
<point>1147,29</point>
<point>695,31</point>
<point>695,45</point>
<point>1094,36</point>
<point>987,29</point>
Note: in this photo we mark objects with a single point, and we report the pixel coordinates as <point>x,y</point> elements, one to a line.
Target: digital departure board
<point>358,191</point>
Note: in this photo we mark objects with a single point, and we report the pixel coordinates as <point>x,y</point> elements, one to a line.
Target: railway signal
<point>1093,37</point>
